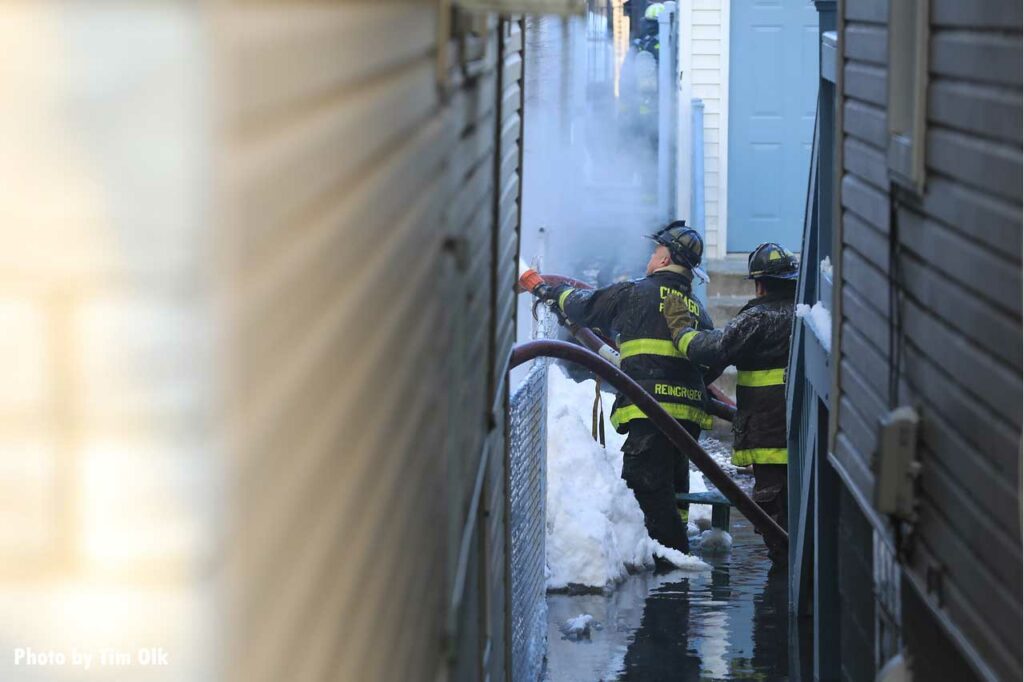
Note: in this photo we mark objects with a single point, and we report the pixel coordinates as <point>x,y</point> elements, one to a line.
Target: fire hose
<point>661,419</point>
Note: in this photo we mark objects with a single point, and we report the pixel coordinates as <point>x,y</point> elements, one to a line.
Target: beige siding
<point>371,329</point>
<point>708,39</point>
<point>109,466</point>
<point>256,311</point>
<point>961,318</point>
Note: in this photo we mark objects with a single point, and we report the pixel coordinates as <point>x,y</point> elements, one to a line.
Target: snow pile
<point>826,267</point>
<point>595,530</point>
<point>715,541</point>
<point>700,514</point>
<point>578,628</point>
<point>820,321</point>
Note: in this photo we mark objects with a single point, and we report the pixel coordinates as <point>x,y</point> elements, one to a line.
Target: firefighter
<point>756,341</point>
<point>632,313</point>
<point>649,36</point>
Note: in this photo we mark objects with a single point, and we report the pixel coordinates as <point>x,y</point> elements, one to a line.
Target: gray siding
<point>960,278</point>
<point>857,631</point>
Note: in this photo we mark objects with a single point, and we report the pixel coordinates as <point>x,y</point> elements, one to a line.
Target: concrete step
<point>729,277</point>
<point>724,308</point>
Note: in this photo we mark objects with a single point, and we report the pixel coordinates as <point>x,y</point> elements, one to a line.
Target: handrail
<point>662,420</point>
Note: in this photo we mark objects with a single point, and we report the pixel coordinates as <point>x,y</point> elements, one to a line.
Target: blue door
<point>773,86</point>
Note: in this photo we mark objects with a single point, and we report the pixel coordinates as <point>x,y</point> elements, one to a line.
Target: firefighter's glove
<point>678,316</point>
<point>546,293</point>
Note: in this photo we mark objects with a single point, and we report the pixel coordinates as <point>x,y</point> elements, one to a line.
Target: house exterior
<point>704,63</point>
<point>257,307</point>
<point>916,199</point>
<point>753,66</point>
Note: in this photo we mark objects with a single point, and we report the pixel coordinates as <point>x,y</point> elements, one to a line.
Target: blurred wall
<point>256,300</point>
<point>110,464</point>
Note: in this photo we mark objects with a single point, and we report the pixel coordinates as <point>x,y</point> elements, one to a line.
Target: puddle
<point>729,624</point>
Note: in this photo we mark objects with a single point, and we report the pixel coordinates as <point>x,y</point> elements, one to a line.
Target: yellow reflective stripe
<point>761,377</point>
<point>742,458</point>
<point>561,298</point>
<point>675,410</point>
<point>628,349</point>
<point>685,340</point>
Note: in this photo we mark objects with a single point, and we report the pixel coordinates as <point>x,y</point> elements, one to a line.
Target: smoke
<point>590,156</point>
<point>590,149</point>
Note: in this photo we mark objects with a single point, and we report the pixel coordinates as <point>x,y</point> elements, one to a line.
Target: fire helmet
<point>773,261</point>
<point>684,244</point>
<point>654,10</point>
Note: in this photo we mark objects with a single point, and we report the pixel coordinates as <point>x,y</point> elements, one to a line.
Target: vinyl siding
<point>256,302</point>
<point>369,341</point>
<point>708,39</point>
<point>960,279</point>
<point>109,462</point>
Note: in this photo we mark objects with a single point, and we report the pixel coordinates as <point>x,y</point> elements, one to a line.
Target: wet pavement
<point>727,624</point>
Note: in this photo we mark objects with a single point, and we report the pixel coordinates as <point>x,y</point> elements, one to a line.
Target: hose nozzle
<point>530,279</point>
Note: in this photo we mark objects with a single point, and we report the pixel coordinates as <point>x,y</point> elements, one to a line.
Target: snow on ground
<point>700,514</point>
<point>595,530</point>
<point>577,628</point>
<point>722,454</point>
<point>715,541</point>
<point>820,321</point>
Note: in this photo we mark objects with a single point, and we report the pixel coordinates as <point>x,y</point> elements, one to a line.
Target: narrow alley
<point>511,340</point>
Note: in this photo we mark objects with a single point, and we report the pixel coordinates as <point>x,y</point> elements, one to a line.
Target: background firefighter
<point>631,313</point>
<point>756,341</point>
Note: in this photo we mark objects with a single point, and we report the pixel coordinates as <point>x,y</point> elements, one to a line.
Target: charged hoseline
<point>661,419</point>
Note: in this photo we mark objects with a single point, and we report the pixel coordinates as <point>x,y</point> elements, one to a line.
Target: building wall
<point>110,468</point>
<point>256,295</point>
<point>704,35</point>
<point>372,233</point>
<point>855,578</point>
<point>959,278</point>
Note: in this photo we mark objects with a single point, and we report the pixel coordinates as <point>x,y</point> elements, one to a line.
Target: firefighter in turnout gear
<point>632,313</point>
<point>756,341</point>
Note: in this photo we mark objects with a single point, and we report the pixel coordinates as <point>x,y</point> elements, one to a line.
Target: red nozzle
<point>530,279</point>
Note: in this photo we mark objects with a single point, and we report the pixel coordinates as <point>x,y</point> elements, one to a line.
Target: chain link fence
<point>527,491</point>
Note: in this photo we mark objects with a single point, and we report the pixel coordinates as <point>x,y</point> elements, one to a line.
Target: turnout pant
<point>654,470</point>
<point>770,481</point>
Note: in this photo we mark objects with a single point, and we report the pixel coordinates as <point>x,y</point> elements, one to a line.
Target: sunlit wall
<point>108,459</point>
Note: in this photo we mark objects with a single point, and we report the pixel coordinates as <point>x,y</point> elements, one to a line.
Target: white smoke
<point>590,165</point>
